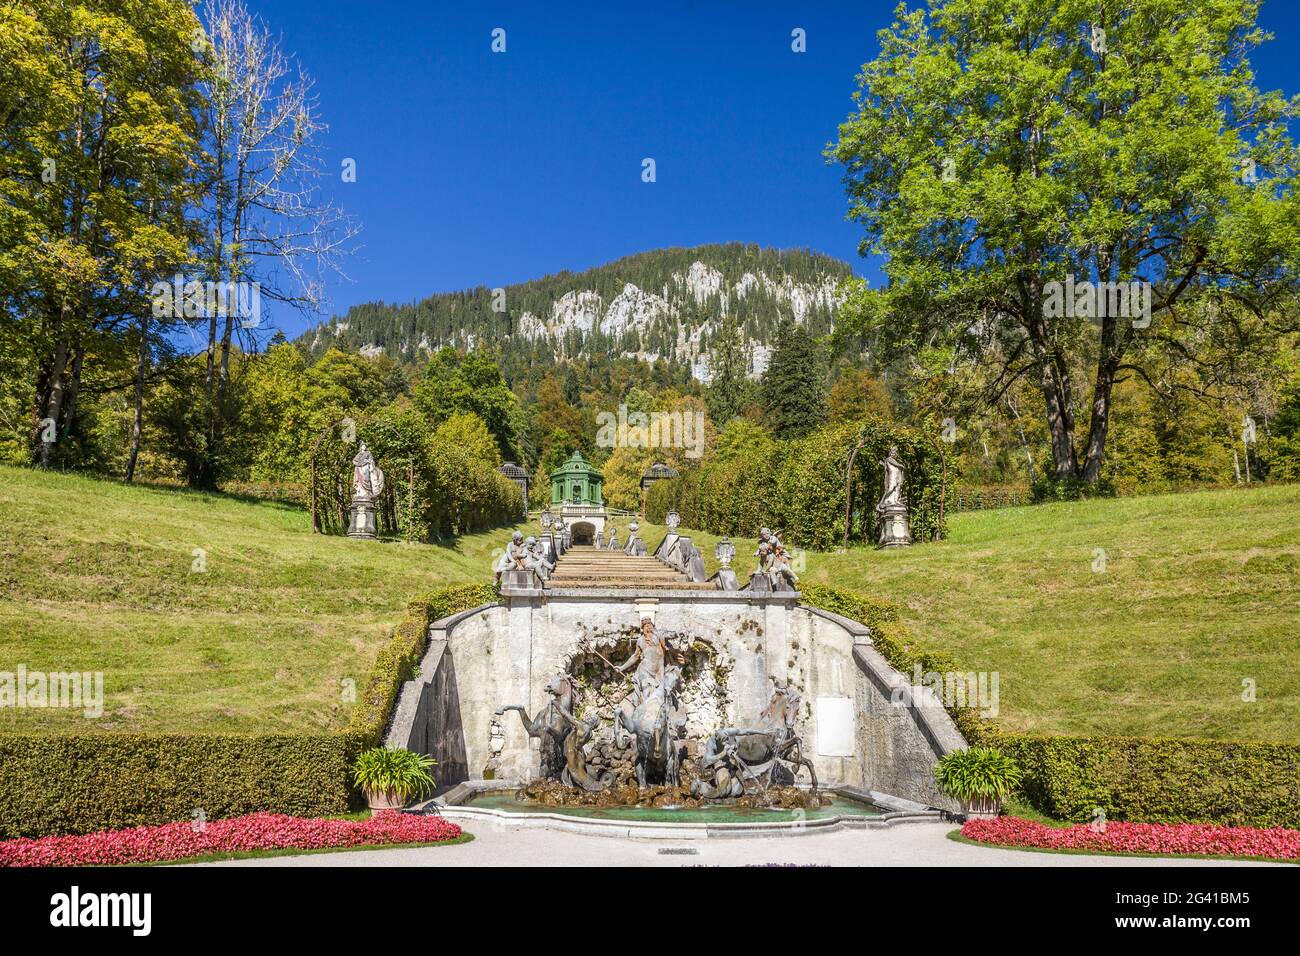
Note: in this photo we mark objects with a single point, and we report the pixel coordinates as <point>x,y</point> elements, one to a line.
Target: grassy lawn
<point>1200,592</point>
<point>97,576</point>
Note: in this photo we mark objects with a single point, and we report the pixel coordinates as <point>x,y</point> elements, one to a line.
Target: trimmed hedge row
<point>1158,779</point>
<point>83,782</point>
<point>80,783</point>
<point>1149,779</point>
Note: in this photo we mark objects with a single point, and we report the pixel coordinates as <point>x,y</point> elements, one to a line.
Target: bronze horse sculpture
<point>653,728</point>
<point>563,736</point>
<point>744,759</point>
<point>550,725</point>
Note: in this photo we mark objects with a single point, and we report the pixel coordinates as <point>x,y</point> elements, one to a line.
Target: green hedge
<point>79,783</point>
<point>83,782</point>
<point>1149,779</point>
<point>1158,779</point>
<point>401,656</point>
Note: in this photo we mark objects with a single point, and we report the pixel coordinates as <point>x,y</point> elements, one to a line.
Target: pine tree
<point>728,388</point>
<point>794,385</point>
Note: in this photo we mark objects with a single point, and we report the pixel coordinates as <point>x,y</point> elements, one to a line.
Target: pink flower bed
<point>257,831</point>
<point>1164,838</point>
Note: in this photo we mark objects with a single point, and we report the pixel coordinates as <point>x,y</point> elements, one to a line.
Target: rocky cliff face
<point>668,304</point>
<point>634,311</point>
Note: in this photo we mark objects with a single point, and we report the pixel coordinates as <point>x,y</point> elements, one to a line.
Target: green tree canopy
<point>1004,149</point>
<point>466,431</point>
<point>470,383</point>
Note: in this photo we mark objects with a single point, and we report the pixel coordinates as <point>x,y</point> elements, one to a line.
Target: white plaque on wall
<point>836,727</point>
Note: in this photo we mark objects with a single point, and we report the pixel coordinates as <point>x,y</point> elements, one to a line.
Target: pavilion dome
<point>575,466</point>
<point>660,470</point>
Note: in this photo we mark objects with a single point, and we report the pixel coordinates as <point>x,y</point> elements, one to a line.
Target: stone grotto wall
<point>853,728</point>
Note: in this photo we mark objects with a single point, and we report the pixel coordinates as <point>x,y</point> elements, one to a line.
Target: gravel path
<point>917,844</point>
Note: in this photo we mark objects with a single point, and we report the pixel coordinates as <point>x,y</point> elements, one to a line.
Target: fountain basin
<point>493,801</point>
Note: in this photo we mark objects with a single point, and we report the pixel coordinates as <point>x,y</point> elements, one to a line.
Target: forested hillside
<point>670,304</point>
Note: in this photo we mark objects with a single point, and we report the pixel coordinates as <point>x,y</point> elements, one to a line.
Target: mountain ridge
<point>664,304</point>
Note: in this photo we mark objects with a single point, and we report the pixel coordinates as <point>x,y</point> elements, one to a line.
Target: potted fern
<point>979,778</point>
<point>391,777</point>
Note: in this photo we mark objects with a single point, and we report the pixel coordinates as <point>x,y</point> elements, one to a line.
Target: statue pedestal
<point>362,519</point>
<point>520,579</point>
<point>726,579</point>
<point>895,532</point>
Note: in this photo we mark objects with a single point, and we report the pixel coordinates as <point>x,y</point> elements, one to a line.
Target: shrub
<point>444,602</point>
<point>798,486</point>
<point>980,778</point>
<point>394,772</point>
<point>392,667</point>
<point>83,782</point>
<point>1158,780</point>
<point>403,652</point>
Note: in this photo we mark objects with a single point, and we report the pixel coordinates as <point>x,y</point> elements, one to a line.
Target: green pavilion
<point>577,494</point>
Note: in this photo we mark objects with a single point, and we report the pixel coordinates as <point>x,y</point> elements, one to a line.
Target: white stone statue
<point>893,496</point>
<point>774,561</point>
<point>535,558</point>
<point>779,571</point>
<point>367,477</point>
<point>895,529</point>
<point>768,537</point>
<point>514,557</point>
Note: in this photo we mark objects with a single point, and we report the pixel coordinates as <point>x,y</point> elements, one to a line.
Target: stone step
<point>590,567</point>
<point>593,553</point>
<point>633,585</point>
<point>616,580</point>
<point>612,575</point>
<point>620,568</point>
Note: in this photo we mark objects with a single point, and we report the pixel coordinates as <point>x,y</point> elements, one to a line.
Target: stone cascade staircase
<point>589,567</point>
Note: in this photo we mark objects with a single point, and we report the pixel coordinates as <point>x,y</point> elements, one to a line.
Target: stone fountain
<point>641,753</point>
<point>666,706</point>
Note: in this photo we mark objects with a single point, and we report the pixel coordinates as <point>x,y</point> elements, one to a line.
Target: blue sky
<point>482,168</point>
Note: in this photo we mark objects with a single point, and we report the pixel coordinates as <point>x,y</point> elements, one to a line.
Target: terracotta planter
<point>982,808</point>
<point>384,800</point>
